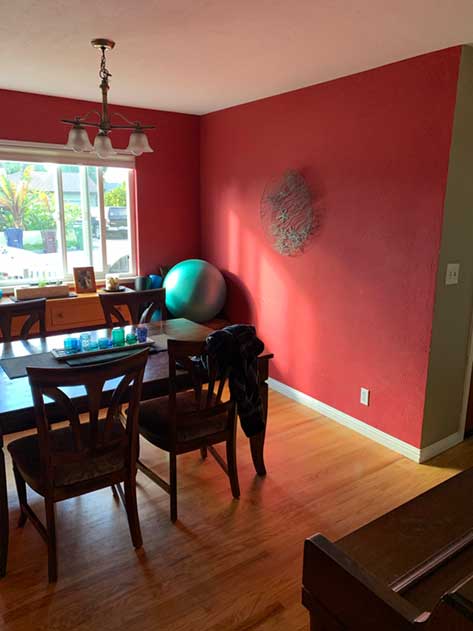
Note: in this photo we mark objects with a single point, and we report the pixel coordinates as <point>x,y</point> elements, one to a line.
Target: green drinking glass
<point>131,338</point>
<point>118,336</point>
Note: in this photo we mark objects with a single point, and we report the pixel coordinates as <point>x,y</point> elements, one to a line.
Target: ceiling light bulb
<point>103,146</point>
<point>138,143</point>
<point>78,139</point>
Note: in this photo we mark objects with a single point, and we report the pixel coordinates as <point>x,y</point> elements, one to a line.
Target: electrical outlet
<point>364,396</point>
<point>453,273</point>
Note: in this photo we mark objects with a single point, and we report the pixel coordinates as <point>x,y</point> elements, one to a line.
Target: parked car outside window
<point>117,216</point>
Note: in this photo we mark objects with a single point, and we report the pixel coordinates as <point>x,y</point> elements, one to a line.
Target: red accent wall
<point>356,309</point>
<point>167,181</point>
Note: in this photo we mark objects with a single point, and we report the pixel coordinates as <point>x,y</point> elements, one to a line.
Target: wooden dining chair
<point>83,457</point>
<point>192,419</point>
<point>33,310</point>
<point>141,306</point>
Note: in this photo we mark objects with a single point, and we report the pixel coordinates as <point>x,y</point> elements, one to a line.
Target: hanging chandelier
<point>78,139</point>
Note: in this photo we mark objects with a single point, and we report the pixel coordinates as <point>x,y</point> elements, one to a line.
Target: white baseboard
<point>426,453</point>
<point>401,447</point>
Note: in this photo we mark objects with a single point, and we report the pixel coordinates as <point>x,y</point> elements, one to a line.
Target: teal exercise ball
<point>195,290</point>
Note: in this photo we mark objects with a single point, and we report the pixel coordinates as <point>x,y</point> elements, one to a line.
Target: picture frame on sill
<point>84,280</point>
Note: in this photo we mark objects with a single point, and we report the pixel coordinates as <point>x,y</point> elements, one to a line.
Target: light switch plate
<point>453,273</point>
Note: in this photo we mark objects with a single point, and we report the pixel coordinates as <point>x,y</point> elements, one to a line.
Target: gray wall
<point>453,303</point>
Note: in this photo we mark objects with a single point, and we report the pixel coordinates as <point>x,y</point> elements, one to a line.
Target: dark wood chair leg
<point>21,490</point>
<point>4,526</point>
<point>232,467</point>
<point>51,535</point>
<point>173,485</point>
<point>132,512</point>
<point>203,452</point>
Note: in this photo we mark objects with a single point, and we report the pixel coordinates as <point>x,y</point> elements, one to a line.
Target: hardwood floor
<point>226,564</point>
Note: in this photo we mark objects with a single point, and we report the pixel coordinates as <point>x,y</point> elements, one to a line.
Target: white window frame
<point>31,152</point>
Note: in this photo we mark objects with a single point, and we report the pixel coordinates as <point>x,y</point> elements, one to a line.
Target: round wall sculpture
<point>287,213</point>
<point>195,290</point>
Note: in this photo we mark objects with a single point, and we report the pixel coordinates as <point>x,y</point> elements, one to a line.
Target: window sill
<point>9,290</point>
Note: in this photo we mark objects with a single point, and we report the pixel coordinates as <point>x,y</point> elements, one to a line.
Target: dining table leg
<point>257,453</point>
<point>257,441</point>
<point>4,527</point>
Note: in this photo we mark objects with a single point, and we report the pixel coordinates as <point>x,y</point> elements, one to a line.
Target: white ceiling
<point>199,56</point>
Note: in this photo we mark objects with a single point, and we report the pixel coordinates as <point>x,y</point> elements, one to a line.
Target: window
<point>54,217</point>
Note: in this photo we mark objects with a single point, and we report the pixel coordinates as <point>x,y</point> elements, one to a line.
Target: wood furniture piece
<point>66,314</point>
<point>190,420</point>
<point>62,463</point>
<point>30,313</point>
<point>141,306</point>
<point>16,403</point>
<point>63,314</point>
<point>411,568</point>
<point>36,291</point>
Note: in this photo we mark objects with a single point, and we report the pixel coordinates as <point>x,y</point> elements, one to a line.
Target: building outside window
<point>54,217</point>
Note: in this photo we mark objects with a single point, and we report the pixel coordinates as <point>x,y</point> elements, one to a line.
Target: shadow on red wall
<point>239,306</point>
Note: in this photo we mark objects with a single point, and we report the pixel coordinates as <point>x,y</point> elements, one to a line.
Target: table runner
<point>101,359</point>
<point>16,366</point>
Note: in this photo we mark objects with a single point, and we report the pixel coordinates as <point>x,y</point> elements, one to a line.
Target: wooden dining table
<point>16,403</point>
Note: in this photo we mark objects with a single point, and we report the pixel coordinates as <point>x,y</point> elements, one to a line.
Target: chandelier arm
<point>130,123</point>
<point>83,124</point>
<point>82,120</point>
<point>132,126</point>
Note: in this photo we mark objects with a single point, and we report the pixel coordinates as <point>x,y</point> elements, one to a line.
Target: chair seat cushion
<point>26,456</point>
<point>154,423</point>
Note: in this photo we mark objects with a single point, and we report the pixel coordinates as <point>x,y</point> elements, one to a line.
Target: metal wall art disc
<point>287,213</point>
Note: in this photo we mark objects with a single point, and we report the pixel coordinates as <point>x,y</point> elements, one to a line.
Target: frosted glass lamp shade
<point>103,146</point>
<point>78,139</point>
<point>138,143</point>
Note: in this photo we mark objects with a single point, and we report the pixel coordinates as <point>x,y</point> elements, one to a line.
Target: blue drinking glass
<point>142,333</point>
<point>84,341</point>
<point>104,343</point>
<point>68,348</point>
<point>76,344</point>
<point>71,345</point>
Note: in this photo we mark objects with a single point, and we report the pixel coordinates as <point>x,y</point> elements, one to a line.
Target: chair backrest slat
<point>192,358</point>
<point>34,310</point>
<point>50,382</point>
<point>69,411</point>
<point>141,306</point>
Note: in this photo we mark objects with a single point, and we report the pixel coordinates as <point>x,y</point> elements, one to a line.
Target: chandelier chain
<point>104,74</point>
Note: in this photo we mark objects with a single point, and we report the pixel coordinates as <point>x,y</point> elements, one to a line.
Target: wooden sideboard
<point>65,314</point>
<point>82,312</point>
<point>69,313</point>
